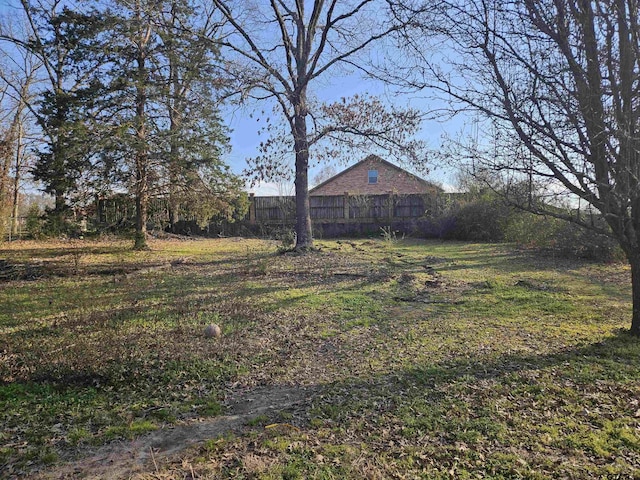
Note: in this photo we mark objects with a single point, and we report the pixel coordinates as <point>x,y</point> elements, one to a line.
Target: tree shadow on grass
<point>582,401</point>
<point>456,417</point>
<point>613,360</point>
<point>622,349</point>
<point>421,409</point>
<point>58,250</point>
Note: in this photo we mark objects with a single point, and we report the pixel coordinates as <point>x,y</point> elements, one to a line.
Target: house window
<point>373,176</point>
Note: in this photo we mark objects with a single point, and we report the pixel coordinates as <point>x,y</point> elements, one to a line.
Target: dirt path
<point>123,459</point>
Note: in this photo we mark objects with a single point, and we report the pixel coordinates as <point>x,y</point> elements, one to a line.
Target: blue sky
<point>244,130</point>
<point>245,139</point>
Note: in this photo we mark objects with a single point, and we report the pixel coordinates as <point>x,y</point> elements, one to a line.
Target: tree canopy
<point>280,51</point>
<point>556,86</point>
<point>128,98</point>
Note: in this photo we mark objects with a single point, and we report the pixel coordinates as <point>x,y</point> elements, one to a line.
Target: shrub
<point>287,238</point>
<point>58,224</point>
<point>530,230</point>
<point>480,220</point>
<point>572,239</point>
<point>489,219</point>
<point>562,237</point>
<point>35,222</point>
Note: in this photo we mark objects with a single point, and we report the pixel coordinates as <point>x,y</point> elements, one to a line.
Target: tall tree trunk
<point>60,203</point>
<point>15,210</point>
<point>174,149</point>
<point>5,158</point>
<point>142,206</point>
<point>304,234</point>
<point>173,198</point>
<point>16,182</point>
<point>174,153</point>
<point>142,176</point>
<point>634,261</point>
<point>175,112</point>
<point>7,145</point>
<point>141,141</point>
<point>58,150</point>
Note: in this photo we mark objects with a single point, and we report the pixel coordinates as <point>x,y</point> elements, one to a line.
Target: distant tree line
<point>125,96</point>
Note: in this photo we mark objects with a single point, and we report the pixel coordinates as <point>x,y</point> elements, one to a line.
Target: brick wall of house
<point>355,181</point>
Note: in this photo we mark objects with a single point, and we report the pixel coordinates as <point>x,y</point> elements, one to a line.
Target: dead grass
<point>423,359</point>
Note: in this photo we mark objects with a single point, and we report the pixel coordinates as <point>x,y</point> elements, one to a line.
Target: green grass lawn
<point>426,359</point>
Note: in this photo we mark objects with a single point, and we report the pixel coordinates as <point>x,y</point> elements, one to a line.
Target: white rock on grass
<point>212,331</point>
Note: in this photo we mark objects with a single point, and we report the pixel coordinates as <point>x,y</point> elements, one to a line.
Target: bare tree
<point>6,135</point>
<point>20,131</point>
<point>282,49</point>
<point>325,173</point>
<point>20,165</point>
<point>557,82</point>
<point>18,70</point>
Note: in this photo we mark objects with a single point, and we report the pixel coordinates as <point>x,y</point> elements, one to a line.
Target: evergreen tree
<point>65,42</point>
<point>194,132</point>
<point>130,99</point>
<point>162,95</point>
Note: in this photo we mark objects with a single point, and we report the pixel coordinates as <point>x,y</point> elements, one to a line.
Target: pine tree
<point>165,117</point>
<point>65,42</point>
<point>194,131</point>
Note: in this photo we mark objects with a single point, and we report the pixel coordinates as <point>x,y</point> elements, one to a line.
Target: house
<point>369,196</point>
<point>374,176</point>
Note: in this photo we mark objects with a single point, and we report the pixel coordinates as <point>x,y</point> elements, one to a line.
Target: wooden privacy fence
<point>120,209</point>
<point>336,215</point>
<point>350,208</point>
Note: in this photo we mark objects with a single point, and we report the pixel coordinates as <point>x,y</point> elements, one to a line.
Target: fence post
<point>346,206</point>
<point>390,206</point>
<point>252,208</point>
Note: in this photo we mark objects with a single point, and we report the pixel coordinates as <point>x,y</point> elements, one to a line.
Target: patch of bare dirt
<point>430,287</point>
<point>121,460</point>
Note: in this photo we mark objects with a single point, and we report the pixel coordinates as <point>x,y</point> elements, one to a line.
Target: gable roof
<point>378,159</point>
